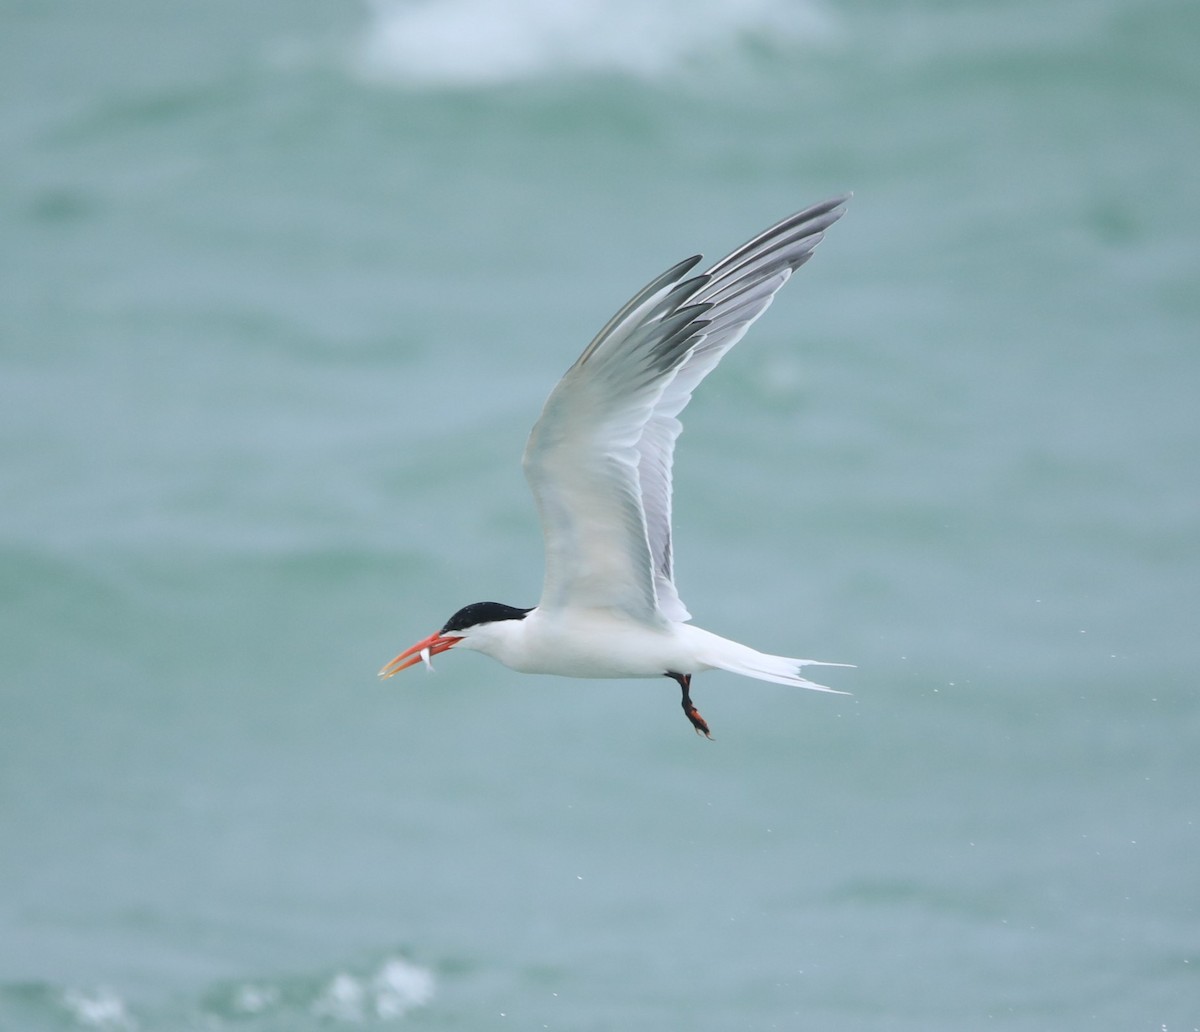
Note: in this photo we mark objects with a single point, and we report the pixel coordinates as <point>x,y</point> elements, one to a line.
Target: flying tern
<point>598,462</point>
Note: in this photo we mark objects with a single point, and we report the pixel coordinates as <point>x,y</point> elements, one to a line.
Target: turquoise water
<point>283,288</point>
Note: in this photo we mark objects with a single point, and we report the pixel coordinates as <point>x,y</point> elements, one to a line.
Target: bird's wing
<point>740,288</point>
<point>599,459</point>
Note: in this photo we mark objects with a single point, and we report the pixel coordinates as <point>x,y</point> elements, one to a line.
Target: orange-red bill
<point>422,650</point>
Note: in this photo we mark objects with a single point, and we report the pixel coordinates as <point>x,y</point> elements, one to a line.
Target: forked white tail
<point>723,654</point>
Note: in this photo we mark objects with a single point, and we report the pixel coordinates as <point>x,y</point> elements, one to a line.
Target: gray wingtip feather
<point>788,242</point>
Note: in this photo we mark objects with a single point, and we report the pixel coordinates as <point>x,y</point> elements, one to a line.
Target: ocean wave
<point>372,995</point>
<point>379,993</point>
<point>480,42</point>
<point>37,1006</point>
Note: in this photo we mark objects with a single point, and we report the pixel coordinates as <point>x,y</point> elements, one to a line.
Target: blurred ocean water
<point>283,289</point>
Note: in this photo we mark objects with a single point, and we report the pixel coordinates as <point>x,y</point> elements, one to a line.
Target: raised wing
<point>740,288</point>
<point>599,459</point>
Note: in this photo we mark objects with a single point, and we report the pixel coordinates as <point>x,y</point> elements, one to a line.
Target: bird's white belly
<point>599,644</point>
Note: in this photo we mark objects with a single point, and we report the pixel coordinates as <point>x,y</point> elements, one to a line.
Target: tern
<point>598,462</point>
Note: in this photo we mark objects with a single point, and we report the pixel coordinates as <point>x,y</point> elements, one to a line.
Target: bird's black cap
<point>481,613</point>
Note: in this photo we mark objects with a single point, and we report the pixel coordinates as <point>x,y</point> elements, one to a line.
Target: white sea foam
<point>399,986</point>
<point>99,1008</point>
<point>474,42</point>
<point>255,999</point>
<point>395,988</point>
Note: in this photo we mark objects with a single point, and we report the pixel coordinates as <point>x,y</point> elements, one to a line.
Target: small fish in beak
<point>421,652</point>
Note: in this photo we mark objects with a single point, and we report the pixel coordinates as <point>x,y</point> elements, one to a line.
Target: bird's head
<point>473,627</point>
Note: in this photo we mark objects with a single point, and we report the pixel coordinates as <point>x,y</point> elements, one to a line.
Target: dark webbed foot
<point>689,710</point>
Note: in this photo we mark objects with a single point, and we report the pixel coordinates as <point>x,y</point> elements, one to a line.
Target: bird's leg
<point>698,722</point>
